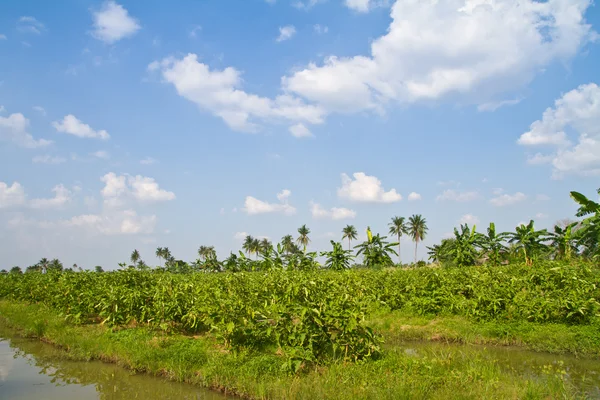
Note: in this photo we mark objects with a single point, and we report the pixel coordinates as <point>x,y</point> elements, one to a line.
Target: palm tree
<point>265,245</point>
<point>135,257</point>
<point>160,254</point>
<point>398,228</point>
<point>248,244</point>
<point>303,239</point>
<point>207,252</point>
<point>350,233</point>
<point>287,242</point>
<point>43,264</point>
<point>417,229</point>
<point>55,265</point>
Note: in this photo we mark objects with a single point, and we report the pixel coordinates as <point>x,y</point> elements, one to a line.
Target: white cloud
<point>469,51</point>
<point>284,195</point>
<point>28,24</point>
<point>14,129</point>
<point>62,196</point>
<point>454,195</point>
<point>48,159</point>
<point>414,196</point>
<point>113,23</point>
<point>217,91</point>
<point>286,33</point>
<point>320,29</point>
<point>13,195</point>
<point>494,105</point>
<point>367,189</point>
<point>119,188</point>
<point>3,37</point>
<point>577,111</point>
<point>539,158</point>
<point>300,131</point>
<point>2,109</point>
<point>71,125</point>
<point>469,219</point>
<point>334,213</point>
<point>101,154</point>
<point>125,222</point>
<point>240,235</point>
<point>358,5</point>
<point>508,199</point>
<point>253,206</point>
<point>194,31</point>
<point>148,161</point>
<point>40,109</point>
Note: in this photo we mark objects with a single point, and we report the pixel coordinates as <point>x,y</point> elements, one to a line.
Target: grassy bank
<point>202,360</point>
<point>399,326</point>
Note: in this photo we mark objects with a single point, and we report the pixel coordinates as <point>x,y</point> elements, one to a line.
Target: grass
<point>434,374</point>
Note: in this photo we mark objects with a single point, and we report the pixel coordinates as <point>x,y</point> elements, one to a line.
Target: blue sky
<point>141,124</point>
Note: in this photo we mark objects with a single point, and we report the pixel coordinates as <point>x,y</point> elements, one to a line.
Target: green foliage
<point>463,249</point>
<point>338,259</point>
<point>528,240</point>
<point>376,251</point>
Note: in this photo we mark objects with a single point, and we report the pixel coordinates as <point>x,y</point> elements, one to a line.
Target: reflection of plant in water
<point>110,381</point>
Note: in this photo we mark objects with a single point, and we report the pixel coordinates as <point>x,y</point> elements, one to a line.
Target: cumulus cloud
<point>508,199</point>
<point>455,195</point>
<point>120,188</point>
<point>113,23</point>
<point>474,50</point>
<point>73,126</point>
<point>367,189</point>
<point>468,219</point>
<point>335,213</point>
<point>414,196</point>
<point>218,91</point>
<point>13,195</point>
<point>254,206</point>
<point>286,33</point>
<point>122,222</point>
<point>14,128</point>
<point>577,112</point>
<point>62,196</point>
<point>300,131</point>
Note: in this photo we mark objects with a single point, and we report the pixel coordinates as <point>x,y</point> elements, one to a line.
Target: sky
<point>133,125</point>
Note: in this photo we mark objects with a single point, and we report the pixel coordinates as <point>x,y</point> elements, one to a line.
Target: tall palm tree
<point>256,247</point>
<point>160,254</point>
<point>43,264</point>
<point>303,239</point>
<point>417,229</point>
<point>247,245</point>
<point>398,228</point>
<point>55,265</point>
<point>135,256</point>
<point>350,233</point>
<point>287,242</point>
<point>265,245</point>
<point>206,252</point>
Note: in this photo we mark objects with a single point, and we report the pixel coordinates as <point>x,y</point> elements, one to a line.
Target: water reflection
<point>33,370</point>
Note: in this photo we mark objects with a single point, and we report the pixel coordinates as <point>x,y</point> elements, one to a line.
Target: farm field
<point>285,334</point>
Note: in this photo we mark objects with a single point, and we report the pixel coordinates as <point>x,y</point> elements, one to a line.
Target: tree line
<point>565,241</point>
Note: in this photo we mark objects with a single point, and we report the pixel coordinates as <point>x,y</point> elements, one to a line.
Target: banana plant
<point>492,244</point>
<point>338,259</point>
<point>528,240</point>
<point>376,251</point>
<point>464,248</point>
<point>588,232</point>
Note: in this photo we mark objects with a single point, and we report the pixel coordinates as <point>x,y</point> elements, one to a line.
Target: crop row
<point>312,316</point>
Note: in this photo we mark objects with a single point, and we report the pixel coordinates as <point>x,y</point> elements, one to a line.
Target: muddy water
<point>33,370</point>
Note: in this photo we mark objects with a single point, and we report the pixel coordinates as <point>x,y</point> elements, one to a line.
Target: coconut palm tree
<point>303,239</point>
<point>43,264</point>
<point>417,229</point>
<point>265,245</point>
<point>398,228</point>
<point>247,245</point>
<point>288,245</point>
<point>350,233</point>
<point>55,265</point>
<point>160,254</point>
<point>135,257</point>
<point>207,252</point>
